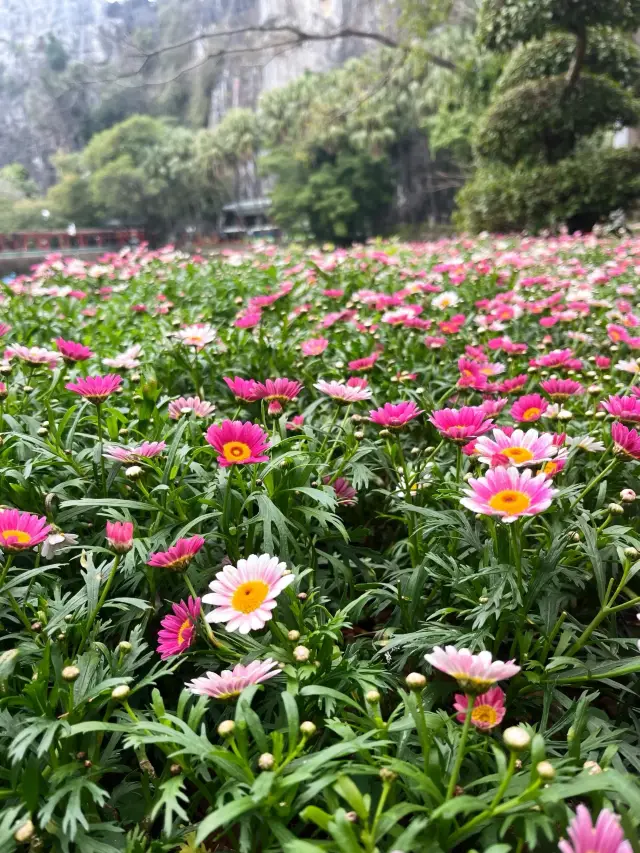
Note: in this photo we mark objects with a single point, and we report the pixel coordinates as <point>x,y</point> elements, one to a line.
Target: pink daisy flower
<point>553,467</point>
<point>21,530</point>
<point>238,443</point>
<point>4,328</point>
<point>624,408</point>
<point>625,441</point>
<point>358,382</point>
<point>198,335</point>
<point>605,836</point>
<point>493,407</point>
<point>95,388</point>
<point>72,352</point>
<point>178,557</point>
<point>120,536</point>
<point>474,673</point>
<point>341,392</point>
<point>230,683</point>
<point>33,355</point>
<point>529,408</point>
<point>509,493</point>
<point>314,346</point>
<point>364,363</point>
<point>519,448</point>
<point>248,320</point>
<point>395,415</point>
<point>296,422</point>
<point>178,628</point>
<point>278,391</point>
<point>186,405</point>
<point>488,708</point>
<point>345,493</point>
<point>460,424</point>
<point>130,455</point>
<point>243,389</point>
<point>244,595</point>
<point>561,389</point>
<point>513,384</point>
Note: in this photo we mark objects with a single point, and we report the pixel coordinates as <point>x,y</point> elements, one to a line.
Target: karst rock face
<point>57,54</point>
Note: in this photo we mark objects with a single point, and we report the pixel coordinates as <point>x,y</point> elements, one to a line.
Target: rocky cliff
<point>62,60</point>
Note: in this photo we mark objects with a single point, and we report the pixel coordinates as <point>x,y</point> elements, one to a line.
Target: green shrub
<point>580,190</point>
<point>543,119</point>
<point>609,53</point>
<point>505,23</point>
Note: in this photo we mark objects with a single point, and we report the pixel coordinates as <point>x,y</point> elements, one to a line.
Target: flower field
<point>330,550</point>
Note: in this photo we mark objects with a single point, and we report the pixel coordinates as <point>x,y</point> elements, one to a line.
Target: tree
<point>572,80</point>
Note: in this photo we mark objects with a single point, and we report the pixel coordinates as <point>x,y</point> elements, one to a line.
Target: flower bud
<point>293,636</point>
<point>266,761</point>
<point>592,767</point>
<point>25,832</point>
<point>415,681</point>
<point>133,472</point>
<point>70,673</point>
<point>545,770</point>
<point>387,775</point>
<point>615,509</point>
<point>302,596</point>
<point>124,647</point>
<point>121,692</point>
<point>516,738</point>
<point>226,727</point>
<point>372,697</point>
<point>175,770</point>
<point>307,728</point>
<point>627,495</point>
<point>301,654</point>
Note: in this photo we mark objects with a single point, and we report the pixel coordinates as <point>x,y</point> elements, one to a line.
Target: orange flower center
<point>518,454</point>
<point>186,626</point>
<point>16,537</point>
<point>510,501</point>
<point>236,451</point>
<point>249,596</point>
<point>485,714</point>
<point>531,414</point>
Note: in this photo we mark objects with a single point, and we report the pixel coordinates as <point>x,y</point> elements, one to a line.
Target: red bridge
<point>38,242</point>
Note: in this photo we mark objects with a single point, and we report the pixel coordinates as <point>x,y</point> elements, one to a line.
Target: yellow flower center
<point>518,454</point>
<point>249,596</point>
<point>17,537</point>
<point>531,413</point>
<point>485,714</point>
<point>510,501</point>
<point>472,683</point>
<point>236,451</point>
<point>549,468</point>
<point>186,626</point>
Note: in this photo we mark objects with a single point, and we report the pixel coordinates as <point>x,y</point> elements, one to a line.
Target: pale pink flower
<point>230,683</point>
<point>605,836</point>
<point>341,392</point>
<point>519,448</point>
<point>509,493</point>
<point>187,405</point>
<point>314,346</point>
<point>128,360</point>
<point>198,335</point>
<point>33,355</point>
<point>245,595</point>
<point>131,455</point>
<point>474,673</point>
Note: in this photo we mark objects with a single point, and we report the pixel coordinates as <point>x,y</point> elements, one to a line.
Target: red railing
<point>57,240</point>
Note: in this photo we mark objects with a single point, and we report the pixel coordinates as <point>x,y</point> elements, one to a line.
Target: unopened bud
<point>592,767</point>
<point>307,728</point>
<point>516,738</point>
<point>226,727</point>
<point>372,697</point>
<point>387,775</point>
<point>352,817</point>
<point>293,636</point>
<point>615,509</point>
<point>545,770</point>
<point>25,832</point>
<point>70,673</point>
<point>415,681</point>
<point>631,553</point>
<point>124,647</point>
<point>627,495</point>
<point>266,761</point>
<point>175,770</point>
<point>133,472</point>
<point>121,692</point>
<point>301,654</point>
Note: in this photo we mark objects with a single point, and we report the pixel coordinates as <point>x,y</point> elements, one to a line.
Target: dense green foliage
<point>355,743</point>
<point>573,81</point>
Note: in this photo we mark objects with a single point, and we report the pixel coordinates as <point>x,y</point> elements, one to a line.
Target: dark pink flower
<point>364,363</point>
<point>623,408</point>
<point>120,536</point>
<point>243,389</point>
<point>625,441</point>
<point>345,493</point>
<point>178,557</point>
<point>461,424</point>
<point>178,628</point>
<point>95,388</point>
<point>238,443</point>
<point>529,408</point>
<point>21,530</point>
<point>395,415</point>
<point>605,836</point>
<point>72,352</point>
<point>561,389</point>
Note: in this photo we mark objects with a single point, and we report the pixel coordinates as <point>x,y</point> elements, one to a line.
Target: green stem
<point>101,601</point>
<point>594,482</point>
<point>453,781</point>
<point>5,569</point>
<point>490,812</point>
<point>210,635</point>
<point>103,479</point>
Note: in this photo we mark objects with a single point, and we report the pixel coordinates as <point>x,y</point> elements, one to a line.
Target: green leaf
<point>224,816</point>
